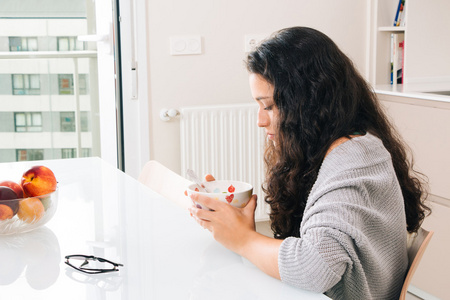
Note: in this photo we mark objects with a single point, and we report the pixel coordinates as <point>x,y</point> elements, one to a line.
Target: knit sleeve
<point>330,237</point>
<point>316,261</point>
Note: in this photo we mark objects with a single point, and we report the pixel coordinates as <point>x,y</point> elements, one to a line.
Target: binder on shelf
<point>397,55</point>
<point>401,14</point>
<point>392,59</point>
<point>397,12</point>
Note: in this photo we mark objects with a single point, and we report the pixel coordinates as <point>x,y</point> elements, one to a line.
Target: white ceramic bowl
<point>236,193</point>
<point>29,218</point>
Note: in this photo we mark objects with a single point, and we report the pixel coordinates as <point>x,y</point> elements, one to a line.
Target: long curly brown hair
<point>320,97</point>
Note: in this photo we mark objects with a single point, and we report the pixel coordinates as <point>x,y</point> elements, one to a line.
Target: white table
<point>106,213</point>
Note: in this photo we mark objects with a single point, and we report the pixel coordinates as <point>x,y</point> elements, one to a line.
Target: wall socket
<point>252,40</point>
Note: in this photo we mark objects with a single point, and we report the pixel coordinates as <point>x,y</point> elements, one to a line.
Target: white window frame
<point>135,101</point>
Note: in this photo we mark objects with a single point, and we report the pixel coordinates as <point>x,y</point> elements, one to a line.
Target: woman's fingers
<point>206,201</point>
<point>251,205</point>
<point>200,218</point>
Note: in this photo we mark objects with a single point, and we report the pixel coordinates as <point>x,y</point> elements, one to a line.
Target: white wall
<point>218,75</point>
<point>428,41</point>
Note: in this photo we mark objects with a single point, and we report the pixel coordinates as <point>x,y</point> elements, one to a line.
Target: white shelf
<point>429,91</point>
<point>392,28</point>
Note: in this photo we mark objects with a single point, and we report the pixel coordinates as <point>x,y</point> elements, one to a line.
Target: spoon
<point>193,176</point>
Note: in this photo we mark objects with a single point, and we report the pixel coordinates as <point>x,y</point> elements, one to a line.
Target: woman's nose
<point>263,120</point>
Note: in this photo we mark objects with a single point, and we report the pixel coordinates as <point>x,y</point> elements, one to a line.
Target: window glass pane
<point>32,44</point>
<point>35,154</point>
<point>21,155</point>
<point>20,119</point>
<point>65,84</point>
<point>84,121</point>
<point>34,81</point>
<point>24,44</point>
<point>85,152</point>
<point>63,44</point>
<point>82,84</point>
<point>50,130</point>
<point>68,153</point>
<point>79,45</point>
<point>67,121</point>
<point>36,119</point>
<point>26,81</point>
<point>18,81</point>
<point>34,129</point>
<point>28,118</point>
<point>72,43</point>
<point>15,44</point>
<point>29,154</point>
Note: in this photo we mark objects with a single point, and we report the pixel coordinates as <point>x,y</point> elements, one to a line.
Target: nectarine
<point>14,186</point>
<point>30,210</point>
<point>5,212</point>
<point>6,195</point>
<point>38,181</point>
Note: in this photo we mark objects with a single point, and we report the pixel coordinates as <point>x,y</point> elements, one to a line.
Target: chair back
<point>417,244</point>
<point>165,182</point>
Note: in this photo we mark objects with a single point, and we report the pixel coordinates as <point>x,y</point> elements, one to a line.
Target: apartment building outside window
<point>51,91</point>
<point>28,121</point>
<point>18,43</point>
<point>26,84</point>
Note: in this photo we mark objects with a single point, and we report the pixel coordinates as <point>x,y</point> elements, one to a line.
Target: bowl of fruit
<point>29,203</point>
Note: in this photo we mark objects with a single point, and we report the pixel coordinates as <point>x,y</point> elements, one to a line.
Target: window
<point>29,154</point>
<point>68,153</point>
<point>70,43</point>
<point>28,121</point>
<point>86,152</point>
<point>84,121</point>
<point>65,84</point>
<point>83,84</point>
<point>67,120</point>
<point>26,84</point>
<point>23,44</point>
<point>29,81</point>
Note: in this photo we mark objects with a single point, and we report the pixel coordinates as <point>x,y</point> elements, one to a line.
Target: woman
<point>341,190</point>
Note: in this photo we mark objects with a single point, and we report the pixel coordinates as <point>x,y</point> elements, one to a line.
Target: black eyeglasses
<point>102,265</point>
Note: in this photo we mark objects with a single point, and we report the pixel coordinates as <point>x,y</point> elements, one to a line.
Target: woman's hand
<point>235,229</point>
<point>230,226</point>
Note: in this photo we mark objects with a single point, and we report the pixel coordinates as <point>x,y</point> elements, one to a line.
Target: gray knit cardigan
<point>352,241</point>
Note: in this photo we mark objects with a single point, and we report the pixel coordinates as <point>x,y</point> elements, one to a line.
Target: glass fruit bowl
<point>26,214</point>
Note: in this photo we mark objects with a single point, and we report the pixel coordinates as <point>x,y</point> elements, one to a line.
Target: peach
<point>14,186</point>
<point>5,212</point>
<point>38,181</point>
<point>30,210</point>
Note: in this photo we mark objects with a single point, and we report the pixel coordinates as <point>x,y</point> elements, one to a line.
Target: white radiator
<point>225,141</point>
